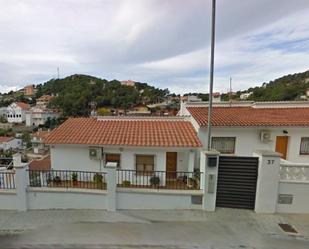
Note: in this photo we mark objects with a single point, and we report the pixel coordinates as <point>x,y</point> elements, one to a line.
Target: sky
<point>162,42</point>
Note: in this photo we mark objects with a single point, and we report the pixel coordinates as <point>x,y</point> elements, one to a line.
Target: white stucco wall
<point>66,199</point>
<point>248,140</point>
<point>12,144</point>
<point>75,157</point>
<point>300,194</point>
<point>13,109</point>
<point>8,200</point>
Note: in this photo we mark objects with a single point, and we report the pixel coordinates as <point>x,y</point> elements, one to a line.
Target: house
<point>244,127</point>
<point>128,83</point>
<point>42,164</point>
<point>28,90</point>
<point>216,97</point>
<point>139,110</point>
<point>7,143</point>
<point>16,112</point>
<point>43,101</point>
<point>37,140</point>
<point>37,116</point>
<point>245,96</point>
<point>136,144</point>
<point>190,98</point>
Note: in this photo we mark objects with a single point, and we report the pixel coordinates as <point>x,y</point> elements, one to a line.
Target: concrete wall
<point>248,140</point>
<point>8,199</point>
<point>300,193</point>
<point>66,199</point>
<point>153,200</point>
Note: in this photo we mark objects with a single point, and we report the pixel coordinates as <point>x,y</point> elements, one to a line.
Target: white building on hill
<point>16,112</point>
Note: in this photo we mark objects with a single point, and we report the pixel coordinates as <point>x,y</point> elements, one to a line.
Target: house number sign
<point>270,162</point>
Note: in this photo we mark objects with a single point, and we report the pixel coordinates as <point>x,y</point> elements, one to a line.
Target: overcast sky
<point>162,42</point>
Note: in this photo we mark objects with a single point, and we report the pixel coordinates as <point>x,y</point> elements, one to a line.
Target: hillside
<point>76,92</point>
<point>289,87</point>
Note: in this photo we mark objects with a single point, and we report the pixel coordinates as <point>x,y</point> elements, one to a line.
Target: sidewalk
<point>226,228</point>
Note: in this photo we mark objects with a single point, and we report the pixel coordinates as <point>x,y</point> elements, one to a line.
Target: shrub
<point>155,180</point>
<point>98,178</point>
<point>74,177</point>
<point>126,183</point>
<point>57,179</point>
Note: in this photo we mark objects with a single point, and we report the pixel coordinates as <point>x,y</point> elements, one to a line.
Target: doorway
<point>282,145</point>
<point>171,165</point>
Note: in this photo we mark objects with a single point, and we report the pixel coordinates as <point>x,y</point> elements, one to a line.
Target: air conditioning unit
<point>95,153</point>
<point>265,136</point>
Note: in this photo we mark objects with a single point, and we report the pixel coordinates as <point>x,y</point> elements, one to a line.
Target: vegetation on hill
<point>289,87</point>
<point>74,94</point>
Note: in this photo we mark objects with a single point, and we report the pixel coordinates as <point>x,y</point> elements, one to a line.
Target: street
<point>226,228</point>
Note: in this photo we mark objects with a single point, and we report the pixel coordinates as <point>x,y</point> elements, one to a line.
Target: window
<point>304,146</point>
<point>145,163</point>
<point>114,158</point>
<point>225,145</point>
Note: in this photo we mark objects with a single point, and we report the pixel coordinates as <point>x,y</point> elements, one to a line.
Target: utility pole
<point>212,55</point>
<point>230,92</point>
<point>58,72</point>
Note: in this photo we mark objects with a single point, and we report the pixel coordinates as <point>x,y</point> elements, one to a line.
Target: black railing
<point>7,180</point>
<point>6,162</point>
<point>67,179</point>
<point>179,180</point>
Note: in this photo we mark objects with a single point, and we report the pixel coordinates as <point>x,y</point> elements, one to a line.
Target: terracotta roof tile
<point>125,132</point>
<point>249,116</point>
<point>23,105</point>
<point>44,164</point>
<point>5,139</point>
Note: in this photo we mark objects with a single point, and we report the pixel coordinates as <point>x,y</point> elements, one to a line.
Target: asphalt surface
<point>224,229</point>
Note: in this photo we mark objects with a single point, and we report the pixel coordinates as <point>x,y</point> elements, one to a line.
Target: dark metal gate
<point>237,179</point>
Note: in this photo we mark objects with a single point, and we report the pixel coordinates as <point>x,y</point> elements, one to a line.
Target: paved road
<point>225,229</point>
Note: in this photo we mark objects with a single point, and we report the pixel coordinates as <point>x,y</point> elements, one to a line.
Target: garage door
<point>237,179</point>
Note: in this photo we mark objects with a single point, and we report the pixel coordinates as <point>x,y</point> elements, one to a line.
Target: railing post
<point>209,164</point>
<point>20,182</point>
<point>111,185</point>
<point>267,182</point>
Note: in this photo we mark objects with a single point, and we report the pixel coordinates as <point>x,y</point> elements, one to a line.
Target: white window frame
<point>301,145</point>
<point>225,137</point>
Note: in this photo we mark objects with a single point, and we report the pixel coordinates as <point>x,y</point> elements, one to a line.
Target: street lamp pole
<point>212,54</point>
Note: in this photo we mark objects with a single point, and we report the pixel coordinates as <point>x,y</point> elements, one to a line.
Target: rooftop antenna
<point>212,55</point>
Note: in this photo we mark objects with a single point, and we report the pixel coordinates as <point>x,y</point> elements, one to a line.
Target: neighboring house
<point>36,116</point>
<point>190,98</point>
<point>43,164</point>
<point>128,83</point>
<point>7,143</point>
<point>216,97</point>
<point>139,110</point>
<point>244,127</point>
<point>16,112</point>
<point>137,144</point>
<point>28,90</point>
<point>43,101</point>
<point>245,96</point>
<point>37,141</point>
